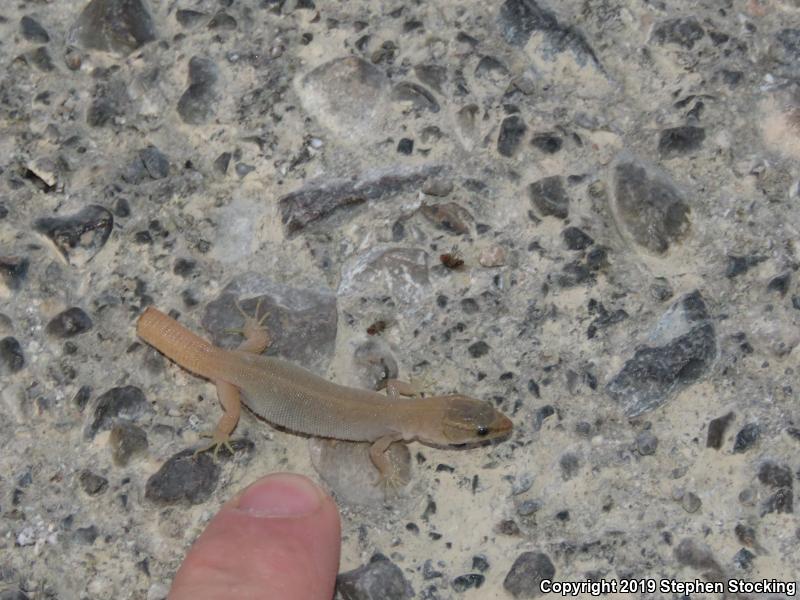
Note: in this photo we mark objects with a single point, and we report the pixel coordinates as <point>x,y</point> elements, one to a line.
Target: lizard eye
<point>482,431</point>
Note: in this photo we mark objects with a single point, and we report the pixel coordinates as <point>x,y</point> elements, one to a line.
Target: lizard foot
<point>390,482</point>
<point>217,441</point>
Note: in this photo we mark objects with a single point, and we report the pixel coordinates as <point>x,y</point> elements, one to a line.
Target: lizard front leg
<point>256,340</point>
<point>389,475</point>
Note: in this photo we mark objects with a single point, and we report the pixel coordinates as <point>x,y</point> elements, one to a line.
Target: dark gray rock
<point>570,464</point>
<point>518,19</point>
<point>319,199</point>
<point>527,573</point>
<point>698,556</point>
<point>198,102</point>
<point>462,583</point>
<point>646,443</point>
<point>549,197</point>
<point>747,437</point>
<point>512,130</point>
<point>686,348</point>
<point>478,349</point>
<point>12,359</point>
<point>418,96</point>
<point>380,579</point>
<point>576,239</point>
<point>128,402</point>
<point>119,26</point>
<point>80,236</point>
<point>690,502</point>
<point>190,18</point>
<point>676,141</point>
<point>14,270</point>
<point>303,321</point>
<point>32,30</point>
<point>447,216</point>
<point>741,264</point>
<point>743,559</point>
<point>40,58</point>
<point>650,209</point>
<point>69,323</point>
<point>480,563</point>
<point>572,274</point>
<point>86,535</point>
<point>434,76</point>
<point>155,161</point>
<point>716,431</point>
<point>490,66</point>
<point>682,31</point>
<point>549,143</point>
<point>92,484</point>
<point>183,479</point>
<point>780,283</point>
<point>781,502</point>
<point>775,475</point>
<point>110,100</point>
<point>127,441</point>
<point>222,21</point>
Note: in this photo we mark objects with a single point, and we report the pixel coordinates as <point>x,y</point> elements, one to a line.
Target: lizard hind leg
<point>389,473</point>
<point>228,395</point>
<point>256,334</point>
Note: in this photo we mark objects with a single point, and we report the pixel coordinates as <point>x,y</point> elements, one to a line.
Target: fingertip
<point>279,538</point>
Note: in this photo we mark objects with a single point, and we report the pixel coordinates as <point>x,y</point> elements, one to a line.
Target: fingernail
<point>281,495</point>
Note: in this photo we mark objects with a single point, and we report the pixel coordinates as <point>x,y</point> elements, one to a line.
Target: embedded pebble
<point>12,359</point>
<point>549,197</point>
<point>119,26</point>
<point>649,208</point>
<point>128,403</point>
<point>33,31</point>
<point>78,237</point>
<point>92,483</point>
<point>14,270</point>
<point>747,437</point>
<point>527,572</point>
<point>69,323</point>
<point>684,349</point>
<point>198,102</point>
<point>183,479</point>
<point>126,441</point>
<point>379,579</point>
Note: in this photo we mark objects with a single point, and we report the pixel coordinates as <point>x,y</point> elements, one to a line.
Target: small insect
<point>452,260</point>
<point>377,327</point>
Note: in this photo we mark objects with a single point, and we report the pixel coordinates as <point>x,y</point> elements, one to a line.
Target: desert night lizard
<point>289,396</point>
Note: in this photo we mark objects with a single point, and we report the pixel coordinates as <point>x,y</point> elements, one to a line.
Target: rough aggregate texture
<point>583,211</point>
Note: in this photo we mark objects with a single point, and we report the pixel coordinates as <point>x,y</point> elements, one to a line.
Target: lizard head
<point>466,420</point>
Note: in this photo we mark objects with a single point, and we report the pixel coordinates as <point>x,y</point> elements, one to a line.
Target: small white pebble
<point>493,256</point>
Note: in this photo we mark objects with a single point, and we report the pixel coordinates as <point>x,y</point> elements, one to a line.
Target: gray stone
<point>380,579</point>
<point>14,270</point>
<point>681,31</point>
<point>127,441</point>
<point>198,103</point>
<point>80,236</point>
<point>32,30</point>
<point>69,323</point>
<point>549,197</point>
<point>649,208</point>
<point>527,573</point>
<point>119,26</point>
<point>320,198</point>
<point>683,347</point>
<point>512,130</point>
<point>128,402</point>
<point>183,479</point>
<point>12,358</point>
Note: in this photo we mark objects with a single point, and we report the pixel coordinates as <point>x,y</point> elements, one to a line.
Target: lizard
<point>289,396</point>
